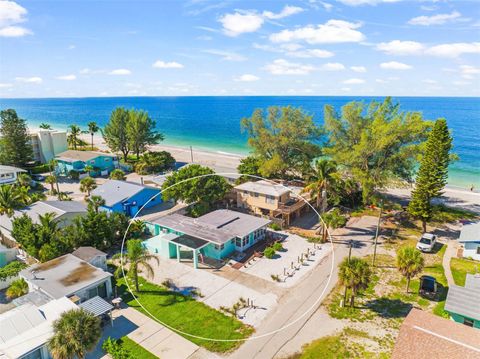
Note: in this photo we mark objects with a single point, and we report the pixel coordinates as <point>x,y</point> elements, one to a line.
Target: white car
<point>427,242</point>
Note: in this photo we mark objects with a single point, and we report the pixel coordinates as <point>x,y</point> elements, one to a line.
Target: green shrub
<point>117,174</point>
<point>43,168</point>
<point>17,288</point>
<point>277,246</point>
<point>269,252</point>
<point>334,219</point>
<point>74,175</point>
<point>11,269</point>
<point>115,349</point>
<point>275,226</point>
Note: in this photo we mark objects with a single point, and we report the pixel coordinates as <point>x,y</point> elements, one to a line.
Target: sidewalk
<point>450,252</point>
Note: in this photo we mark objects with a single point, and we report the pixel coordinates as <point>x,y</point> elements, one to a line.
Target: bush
<point>269,252</point>
<point>117,174</point>
<point>17,288</point>
<point>275,226</point>
<point>155,162</point>
<point>11,269</point>
<point>115,349</point>
<point>334,219</point>
<point>277,246</point>
<point>74,175</point>
<point>43,168</point>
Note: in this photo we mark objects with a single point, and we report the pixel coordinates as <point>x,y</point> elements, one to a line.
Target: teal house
<point>463,303</point>
<point>72,160</point>
<point>207,239</point>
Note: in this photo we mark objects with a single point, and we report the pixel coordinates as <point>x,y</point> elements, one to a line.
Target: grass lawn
<point>186,314</point>
<point>460,267</point>
<point>136,351</point>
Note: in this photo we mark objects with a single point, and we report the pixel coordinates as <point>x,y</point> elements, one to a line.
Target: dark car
<point>428,286</point>
<point>38,178</point>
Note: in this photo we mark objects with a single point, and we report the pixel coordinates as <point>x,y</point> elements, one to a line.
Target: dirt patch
<point>83,272</point>
<point>50,264</point>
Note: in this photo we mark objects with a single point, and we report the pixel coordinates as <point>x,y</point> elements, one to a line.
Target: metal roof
<point>10,169</point>
<point>96,306</point>
<point>472,280</point>
<point>470,233</point>
<point>87,253</point>
<point>263,187</point>
<point>83,156</point>
<point>464,301</point>
<point>114,191</point>
<point>190,241</point>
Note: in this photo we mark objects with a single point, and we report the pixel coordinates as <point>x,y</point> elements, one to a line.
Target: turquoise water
<point>213,122</point>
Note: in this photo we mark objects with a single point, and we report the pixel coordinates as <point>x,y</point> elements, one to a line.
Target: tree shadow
<point>389,308</point>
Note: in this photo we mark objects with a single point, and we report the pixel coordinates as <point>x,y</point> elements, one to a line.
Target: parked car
<point>38,178</point>
<point>427,242</point>
<point>428,286</point>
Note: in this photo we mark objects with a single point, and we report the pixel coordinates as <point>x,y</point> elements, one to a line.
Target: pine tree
<point>433,172</point>
<point>15,147</point>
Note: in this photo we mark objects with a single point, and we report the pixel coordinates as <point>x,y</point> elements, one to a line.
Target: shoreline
<point>227,162</point>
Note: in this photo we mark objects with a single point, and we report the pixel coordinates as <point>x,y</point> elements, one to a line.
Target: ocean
<point>213,123</point>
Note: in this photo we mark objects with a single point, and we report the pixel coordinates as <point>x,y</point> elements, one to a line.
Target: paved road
<point>304,298</point>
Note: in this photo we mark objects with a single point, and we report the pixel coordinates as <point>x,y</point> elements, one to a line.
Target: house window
<point>238,242</point>
<point>468,322</point>
<point>270,199</point>
<point>232,241</point>
<point>219,247</point>
<point>244,241</point>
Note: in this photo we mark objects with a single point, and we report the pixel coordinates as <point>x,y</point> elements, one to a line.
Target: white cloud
<point>454,49</point>
<point>358,68</point>
<point>5,85</point>
<point>438,19</point>
<point>461,83</point>
<point>398,47</point>
<point>31,80</point>
<point>159,64</point>
<point>365,2</point>
<point>241,22</point>
<point>283,67</point>
<point>468,71</point>
<point>71,47</point>
<point>286,11</point>
<point>120,72</point>
<point>226,55</point>
<point>430,81</point>
<point>308,53</point>
<point>354,81</point>
<point>67,77</point>
<point>291,47</point>
<point>333,31</point>
<point>12,14</point>
<point>333,66</point>
<point>247,78</point>
<point>394,65</point>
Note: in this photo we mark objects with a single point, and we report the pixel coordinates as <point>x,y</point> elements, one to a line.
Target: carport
<point>191,243</point>
<point>98,306</point>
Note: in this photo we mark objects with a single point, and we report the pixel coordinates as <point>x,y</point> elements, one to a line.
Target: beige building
<point>46,144</point>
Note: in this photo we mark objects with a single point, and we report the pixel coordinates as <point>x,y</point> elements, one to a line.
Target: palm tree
<point>87,184</point>
<point>117,174</point>
<point>92,128</point>
<point>17,288</point>
<point>45,126</point>
<point>51,180</point>
<point>321,179</point>
<point>96,202</point>
<point>137,227</point>
<point>23,195</point>
<point>73,138</point>
<point>137,256</point>
<point>354,274</point>
<point>76,333</point>
<point>410,262</point>
<point>88,169</point>
<point>9,200</point>
<point>24,180</point>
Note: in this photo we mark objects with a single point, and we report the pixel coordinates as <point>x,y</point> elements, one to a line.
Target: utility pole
<point>376,233</point>
<point>349,256</point>
<point>191,153</point>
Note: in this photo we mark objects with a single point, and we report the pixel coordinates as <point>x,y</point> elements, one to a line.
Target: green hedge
<point>11,269</point>
<point>40,169</point>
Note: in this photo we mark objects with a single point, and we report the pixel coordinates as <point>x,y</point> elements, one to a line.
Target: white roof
<point>27,327</point>
<point>470,233</point>
<point>10,169</point>
<point>264,187</point>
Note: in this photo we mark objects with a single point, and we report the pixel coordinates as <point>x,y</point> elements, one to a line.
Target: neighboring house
<point>47,144</point>
<point>215,235</point>
<point>9,174</point>
<point>93,256</point>
<point>271,199</point>
<point>65,212</point>
<point>71,160</point>
<point>126,197</point>
<point>68,276</point>
<point>26,329</point>
<point>7,255</point>
<point>470,239</point>
<point>463,303</point>
<point>424,336</point>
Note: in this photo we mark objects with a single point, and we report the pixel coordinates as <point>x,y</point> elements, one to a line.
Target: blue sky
<point>202,47</point>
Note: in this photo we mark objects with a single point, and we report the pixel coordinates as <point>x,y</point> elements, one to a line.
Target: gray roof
<point>263,187</point>
<point>41,208</point>
<point>218,226</point>
<point>88,253</point>
<point>63,276</point>
<point>463,301</point>
<point>35,297</point>
<point>472,280</point>
<point>114,191</point>
<point>83,156</point>
<point>470,233</point>
<point>96,306</point>
<point>10,169</point>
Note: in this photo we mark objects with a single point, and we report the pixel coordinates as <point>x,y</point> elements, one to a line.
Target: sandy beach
<point>227,163</point>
